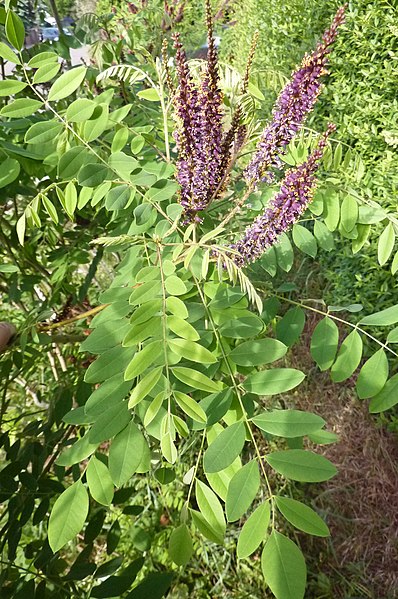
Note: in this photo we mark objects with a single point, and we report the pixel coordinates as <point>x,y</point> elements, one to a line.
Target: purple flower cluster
<point>295,194</point>
<point>199,129</point>
<point>293,105</point>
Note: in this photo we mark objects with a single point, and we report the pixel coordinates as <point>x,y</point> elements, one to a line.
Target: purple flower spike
<point>284,210</point>
<point>292,107</point>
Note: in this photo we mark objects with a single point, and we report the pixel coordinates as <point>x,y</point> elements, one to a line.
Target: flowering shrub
<point>180,349</point>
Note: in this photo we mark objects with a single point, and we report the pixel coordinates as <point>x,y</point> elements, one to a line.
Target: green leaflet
<point>302,517</point>
<point>258,352</point>
<point>225,448</point>
<point>190,350</point>
<point>373,375</point>
<point>284,568</point>
<point>210,508</point>
<point>126,453</point>
<point>274,381</point>
<point>68,515</point>
<point>99,481</point>
<point>242,490</point>
<point>301,465</point>
<point>348,357</point>
<point>143,359</point>
<point>288,423</point>
<point>324,343</point>
<point>180,545</point>
<point>387,398</point>
<point>254,530</point>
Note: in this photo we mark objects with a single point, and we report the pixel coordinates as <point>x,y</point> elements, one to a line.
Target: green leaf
<point>125,454</point>
<point>168,447</point>
<point>67,84</point>
<point>177,307</point>
<point>258,352</point>
<point>348,358</point>
<point>323,437</point>
<point>174,285</point>
<point>46,72</point>
<point>182,328</point>
<point>189,350</point>
<point>349,213</point>
<point>77,452</point>
<point>143,359</point>
<point>392,336</point>
<point>9,171</point>
<point>118,197</point>
<point>373,375</point>
<point>111,392</point>
<point>225,448</point>
<point>145,292</point>
<point>302,517</point>
<point>20,227</point>
<point>154,586</point>
<point>304,240</point>
<point>145,386</point>
<point>323,236</point>
<point>80,110</point>
<point>9,87</point>
<point>386,244</point>
<point>242,490</point>
<point>190,407</point>
<point>20,108</point>
<point>123,164</point>
<point>116,586</point>
<point>92,175</point>
<point>210,508</point>
<point>9,268</point>
<point>284,253</point>
<point>97,124</point>
<point>387,398</point>
<point>8,54</point>
<point>274,381</point>
<point>290,327</point>
<point>43,132</point>
<point>70,193</point>
<point>110,423</point>
<point>42,58</point>
<point>204,527</point>
<point>137,143</point>
<point>284,568</point>
<point>196,379</point>
<point>72,161</point>
<point>109,363</point>
<point>150,94</point>
<point>99,481</point>
<point>331,212</point>
<point>301,465</point>
<point>180,545</point>
<point>254,530</point>
<point>383,318</point>
<point>324,342</point>
<point>15,30</point>
<point>288,423</point>
<point>68,515</point>
<point>106,336</point>
<point>242,328</point>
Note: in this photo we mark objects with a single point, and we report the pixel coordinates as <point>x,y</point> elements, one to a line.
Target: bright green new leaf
<point>80,110</point>
<point>177,307</point>
<point>386,244</point>
<point>189,350</point>
<point>196,380</point>
<point>302,517</point>
<point>348,358</point>
<point>137,143</point>
<point>190,407</point>
<point>67,83</point>
<point>9,87</point>
<point>258,352</point>
<point>324,342</point>
<point>349,213</point>
<point>70,193</point>
<point>383,318</point>
<point>99,481</point>
<point>125,454</point>
<point>42,58</point>
<point>150,94</point>
<point>46,72</point>
<point>304,240</point>
<point>225,448</point>
<point>174,285</point>
<point>301,465</point>
<point>8,54</point>
<point>182,328</point>
<point>373,375</point>
<point>242,491</point>
<point>68,515</point>
<point>283,567</point>
<point>210,508</point>
<point>254,530</point>
<point>145,386</point>
<point>288,423</point>
<point>168,447</point>
<point>180,545</point>
<point>387,398</point>
<point>143,359</point>
<point>77,452</point>
<point>15,30</point>
<point>273,381</point>
<point>20,108</point>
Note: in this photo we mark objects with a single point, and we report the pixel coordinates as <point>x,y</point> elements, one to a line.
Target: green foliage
<point>172,381</point>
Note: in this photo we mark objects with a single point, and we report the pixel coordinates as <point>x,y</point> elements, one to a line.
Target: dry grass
<point>362,501</point>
